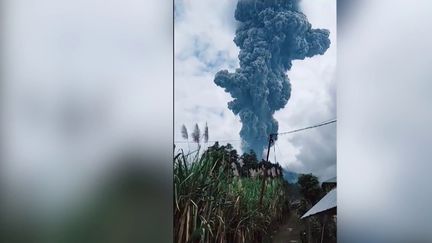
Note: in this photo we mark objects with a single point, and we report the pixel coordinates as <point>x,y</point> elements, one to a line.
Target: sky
<point>204,31</point>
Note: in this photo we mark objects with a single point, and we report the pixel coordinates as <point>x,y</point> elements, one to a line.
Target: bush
<point>213,205</point>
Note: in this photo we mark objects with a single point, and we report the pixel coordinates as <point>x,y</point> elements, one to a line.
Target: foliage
<point>249,158</point>
<point>310,188</point>
<point>320,226</point>
<point>224,153</point>
<point>213,205</point>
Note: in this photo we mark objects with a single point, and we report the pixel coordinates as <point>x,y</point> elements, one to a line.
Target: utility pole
<point>265,170</point>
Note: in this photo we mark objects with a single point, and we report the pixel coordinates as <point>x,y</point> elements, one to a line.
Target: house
<point>329,184</point>
<point>327,204</point>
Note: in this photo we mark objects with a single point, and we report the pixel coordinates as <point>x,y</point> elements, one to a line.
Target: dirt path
<point>289,232</point>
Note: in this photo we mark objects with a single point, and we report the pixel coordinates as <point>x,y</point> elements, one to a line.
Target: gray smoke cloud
<point>271,34</point>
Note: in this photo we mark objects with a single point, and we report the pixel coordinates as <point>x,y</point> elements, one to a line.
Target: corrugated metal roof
<point>331,180</point>
<point>327,202</point>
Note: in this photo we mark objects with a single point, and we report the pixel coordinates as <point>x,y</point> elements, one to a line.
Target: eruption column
<point>271,34</point>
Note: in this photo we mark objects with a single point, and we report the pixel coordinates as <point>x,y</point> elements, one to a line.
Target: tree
<point>318,226</point>
<point>196,134</point>
<point>310,188</point>
<point>249,159</point>
<point>223,156</point>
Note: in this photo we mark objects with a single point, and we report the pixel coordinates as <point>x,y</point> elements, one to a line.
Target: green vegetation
<point>310,188</point>
<point>215,200</point>
<point>321,228</point>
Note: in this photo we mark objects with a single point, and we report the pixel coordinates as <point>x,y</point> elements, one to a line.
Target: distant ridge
<point>289,176</point>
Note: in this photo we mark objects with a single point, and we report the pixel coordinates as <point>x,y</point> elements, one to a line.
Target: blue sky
<point>204,31</point>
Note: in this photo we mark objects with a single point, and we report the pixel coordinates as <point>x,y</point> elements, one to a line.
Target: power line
<point>327,122</point>
<point>212,141</point>
<point>306,128</point>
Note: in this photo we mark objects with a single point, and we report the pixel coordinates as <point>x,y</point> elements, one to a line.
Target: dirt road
<point>289,232</point>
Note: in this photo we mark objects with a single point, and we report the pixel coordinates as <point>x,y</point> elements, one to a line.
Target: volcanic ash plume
<point>271,34</point>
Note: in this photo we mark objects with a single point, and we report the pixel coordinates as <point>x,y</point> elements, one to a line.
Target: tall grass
<point>213,205</point>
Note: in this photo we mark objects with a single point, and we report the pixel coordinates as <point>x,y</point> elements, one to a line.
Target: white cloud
<point>205,28</point>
